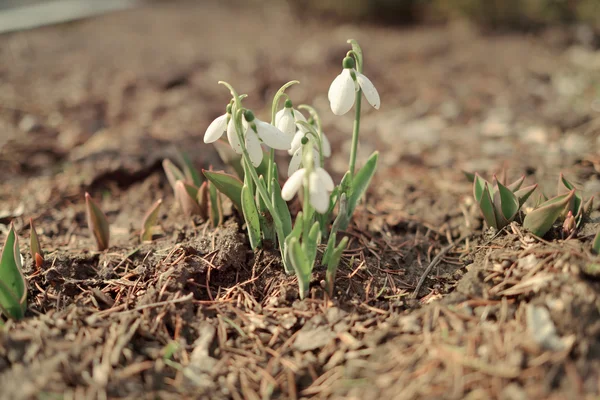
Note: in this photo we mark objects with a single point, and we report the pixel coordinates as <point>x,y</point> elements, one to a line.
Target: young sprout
<point>540,220</point>
<point>97,223</point>
<point>34,244</point>
<point>187,196</point>
<point>596,243</point>
<point>500,204</point>
<point>13,287</point>
<point>150,221</point>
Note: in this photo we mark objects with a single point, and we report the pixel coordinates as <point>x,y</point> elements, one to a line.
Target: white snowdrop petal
<point>272,136</point>
<point>295,161</point>
<point>296,142</point>
<point>254,149</point>
<point>341,93</point>
<point>292,185</point>
<point>319,198</point>
<point>286,122</point>
<point>325,146</point>
<point>298,116</point>
<point>369,90</point>
<point>316,159</point>
<point>233,137</point>
<point>216,129</point>
<point>325,179</point>
<point>279,115</point>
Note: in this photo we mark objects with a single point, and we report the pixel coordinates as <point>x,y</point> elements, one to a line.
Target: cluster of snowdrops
<point>303,138</point>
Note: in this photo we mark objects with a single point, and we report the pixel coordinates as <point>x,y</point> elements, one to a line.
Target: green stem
<point>355,132</point>
<point>250,168</point>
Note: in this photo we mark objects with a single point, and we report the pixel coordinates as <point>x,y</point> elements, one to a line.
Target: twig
<point>435,262</point>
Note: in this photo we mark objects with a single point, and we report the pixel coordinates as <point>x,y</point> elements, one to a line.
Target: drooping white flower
<point>296,150</point>
<point>216,129</point>
<point>319,183</point>
<point>342,89</point>
<point>261,132</point>
<point>286,118</point>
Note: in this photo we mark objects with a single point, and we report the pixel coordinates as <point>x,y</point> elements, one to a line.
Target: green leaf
<point>340,222</point>
<point>281,207</point>
<point>13,287</point>
<point>266,222</point>
<point>97,223</point>
<point>301,266</point>
<point>295,233</point>
<point>187,196</point>
<point>311,243</point>
<point>173,173</point>
<point>478,185</point>
<point>469,175</point>
<point>227,184</point>
<point>564,186</point>
<point>506,205</point>
<point>216,207</point>
<point>333,264</point>
<point>149,222</point>
<point>190,171</point>
<point>487,207</point>
<point>596,243</point>
<point>361,181</point>
<point>516,185</point>
<point>524,193</point>
<point>540,220</point>
<point>251,217</point>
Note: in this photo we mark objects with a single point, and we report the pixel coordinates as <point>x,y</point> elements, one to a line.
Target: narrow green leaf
<point>13,287</point>
<point>507,203</point>
<point>596,243</point>
<point>149,222</point>
<point>564,186</point>
<point>301,266</point>
<point>251,217</point>
<point>487,207</point>
<point>478,186</point>
<point>340,222</point>
<point>333,264</point>
<point>216,207</point>
<point>295,233</point>
<point>469,175</point>
<point>190,171</point>
<point>540,220</point>
<point>227,184</point>
<point>524,193</point>
<point>34,245</point>
<point>361,181</point>
<point>516,185</point>
<point>173,173</point>
<point>267,226</point>
<point>97,223</point>
<point>281,207</point>
<point>311,243</point>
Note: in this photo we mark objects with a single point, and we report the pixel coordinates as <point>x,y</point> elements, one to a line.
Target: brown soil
<point>96,105</point>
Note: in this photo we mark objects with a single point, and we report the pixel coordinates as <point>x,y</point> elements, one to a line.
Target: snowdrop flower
<point>342,89</point>
<point>256,133</point>
<point>216,128</point>
<point>286,118</point>
<point>319,183</point>
<point>296,150</point>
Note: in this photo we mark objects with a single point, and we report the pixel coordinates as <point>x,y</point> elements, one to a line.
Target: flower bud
<point>249,115</point>
<point>348,63</point>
